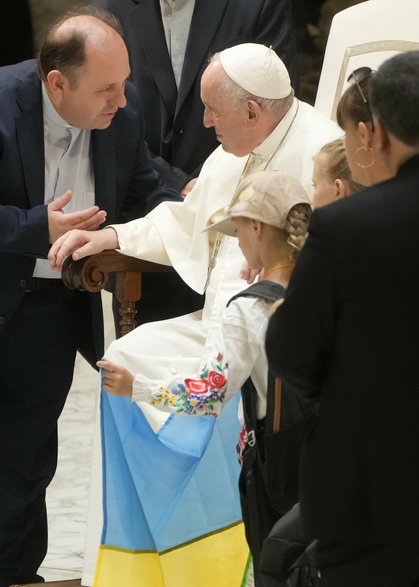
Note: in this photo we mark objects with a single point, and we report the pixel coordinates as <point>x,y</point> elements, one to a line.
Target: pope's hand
<point>81,243</point>
<point>59,222</point>
<point>249,275</point>
<point>188,187</point>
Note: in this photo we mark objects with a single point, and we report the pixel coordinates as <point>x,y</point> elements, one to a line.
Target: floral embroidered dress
<point>235,350</point>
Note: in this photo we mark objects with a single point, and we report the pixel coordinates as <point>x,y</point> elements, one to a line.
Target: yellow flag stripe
<point>219,558</point>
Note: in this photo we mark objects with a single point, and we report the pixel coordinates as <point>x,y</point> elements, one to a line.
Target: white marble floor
<point>67,496</point>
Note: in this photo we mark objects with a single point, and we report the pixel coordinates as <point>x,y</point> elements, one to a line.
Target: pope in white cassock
<point>261,125</point>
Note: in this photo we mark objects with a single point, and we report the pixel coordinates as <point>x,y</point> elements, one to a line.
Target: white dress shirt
<point>67,167</point>
<point>177,16</point>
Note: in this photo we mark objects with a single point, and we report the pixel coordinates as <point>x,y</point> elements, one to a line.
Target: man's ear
<point>56,81</point>
<point>253,110</point>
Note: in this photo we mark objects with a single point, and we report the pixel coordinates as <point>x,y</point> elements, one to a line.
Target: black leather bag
<point>287,559</point>
<point>269,477</point>
<point>289,419</point>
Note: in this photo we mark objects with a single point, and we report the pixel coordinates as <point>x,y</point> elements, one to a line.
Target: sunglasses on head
<point>358,76</point>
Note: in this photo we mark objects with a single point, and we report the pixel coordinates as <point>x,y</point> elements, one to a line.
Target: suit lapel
<point>104,166</point>
<point>30,139</point>
<point>149,27</point>
<point>204,26</point>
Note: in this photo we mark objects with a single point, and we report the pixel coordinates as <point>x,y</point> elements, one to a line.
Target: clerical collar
<point>50,112</point>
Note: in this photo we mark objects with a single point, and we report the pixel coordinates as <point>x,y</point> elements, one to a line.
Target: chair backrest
<point>364,34</point>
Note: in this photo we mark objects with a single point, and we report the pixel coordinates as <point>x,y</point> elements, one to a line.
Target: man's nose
<point>119,98</point>
<point>208,120</point>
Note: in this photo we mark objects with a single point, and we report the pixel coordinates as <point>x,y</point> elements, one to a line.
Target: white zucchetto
<point>257,69</point>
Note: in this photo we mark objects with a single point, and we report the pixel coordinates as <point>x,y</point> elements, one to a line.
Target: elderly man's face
<point>98,89</point>
<point>229,118</point>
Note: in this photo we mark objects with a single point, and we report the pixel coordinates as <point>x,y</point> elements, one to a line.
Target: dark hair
<point>394,96</point>
<point>66,52</point>
<point>351,107</point>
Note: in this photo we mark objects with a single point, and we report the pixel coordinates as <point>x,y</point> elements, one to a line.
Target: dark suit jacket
<point>125,183</point>
<point>174,127</point>
<point>348,335</point>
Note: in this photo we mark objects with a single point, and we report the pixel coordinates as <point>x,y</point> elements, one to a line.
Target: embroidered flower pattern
<point>203,396</point>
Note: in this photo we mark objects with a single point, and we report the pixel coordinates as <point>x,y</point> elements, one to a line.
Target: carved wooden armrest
<point>92,274</point>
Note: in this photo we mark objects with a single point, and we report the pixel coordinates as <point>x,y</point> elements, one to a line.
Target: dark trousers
<point>37,350</point>
<point>290,560</point>
<point>369,565</point>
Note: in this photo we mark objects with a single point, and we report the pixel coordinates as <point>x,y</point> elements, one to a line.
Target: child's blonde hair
<point>297,227</point>
<point>336,163</point>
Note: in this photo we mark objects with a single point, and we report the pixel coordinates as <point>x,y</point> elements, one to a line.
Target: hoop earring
<point>364,149</point>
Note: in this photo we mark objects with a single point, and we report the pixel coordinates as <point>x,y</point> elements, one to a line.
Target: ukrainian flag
<point>171,506</point>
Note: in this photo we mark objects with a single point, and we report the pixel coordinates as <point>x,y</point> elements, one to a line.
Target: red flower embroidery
<point>196,386</point>
<point>216,379</point>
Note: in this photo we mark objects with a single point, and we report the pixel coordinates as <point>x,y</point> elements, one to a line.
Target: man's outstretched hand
<point>59,222</point>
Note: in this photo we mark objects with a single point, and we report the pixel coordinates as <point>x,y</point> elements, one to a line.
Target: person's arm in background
<point>145,189</point>
<point>171,176</point>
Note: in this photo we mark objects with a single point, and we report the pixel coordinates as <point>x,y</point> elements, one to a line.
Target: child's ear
<point>257,226</point>
<point>341,189</point>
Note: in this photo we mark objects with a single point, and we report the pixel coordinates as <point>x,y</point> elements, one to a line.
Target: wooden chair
<point>92,274</point>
